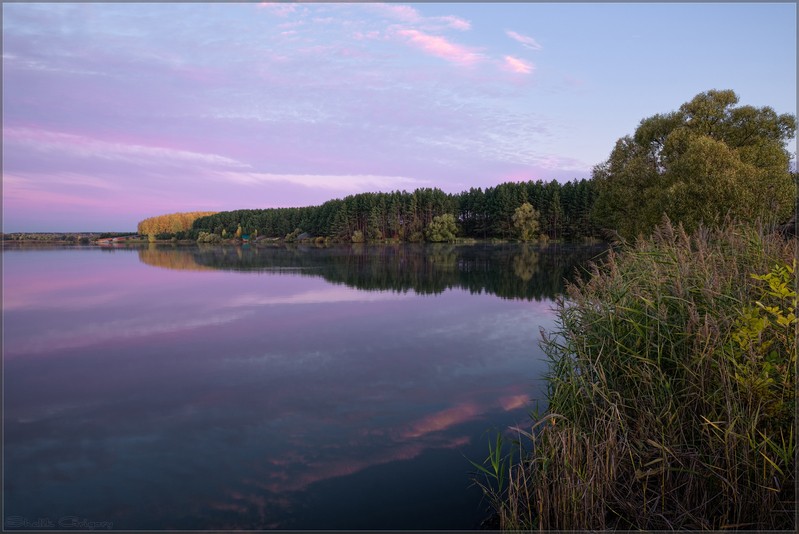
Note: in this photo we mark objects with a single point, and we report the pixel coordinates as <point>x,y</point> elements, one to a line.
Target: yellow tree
<point>525,220</point>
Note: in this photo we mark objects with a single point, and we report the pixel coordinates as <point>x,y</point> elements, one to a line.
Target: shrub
<point>291,237</point>
<point>442,228</point>
<point>416,237</point>
<point>671,392</point>
<point>209,237</point>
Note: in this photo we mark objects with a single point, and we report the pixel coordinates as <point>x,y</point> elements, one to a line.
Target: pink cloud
<point>371,35</point>
<point>411,15</point>
<point>525,40</point>
<point>354,182</point>
<point>89,147</point>
<point>30,195</point>
<point>517,65</point>
<point>399,12</point>
<point>440,47</point>
<point>278,9</point>
<point>456,23</point>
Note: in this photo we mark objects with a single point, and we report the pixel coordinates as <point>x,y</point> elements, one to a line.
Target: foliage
<point>170,223</point>
<point>763,348</point>
<point>491,475</point>
<point>671,391</point>
<point>564,213</point>
<point>442,229</point>
<point>357,237</point>
<point>104,235</point>
<point>525,220</point>
<point>82,238</point>
<point>208,237</point>
<point>292,236</point>
<point>700,164</point>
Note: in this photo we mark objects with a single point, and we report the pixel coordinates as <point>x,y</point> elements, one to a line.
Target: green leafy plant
<point>671,391</point>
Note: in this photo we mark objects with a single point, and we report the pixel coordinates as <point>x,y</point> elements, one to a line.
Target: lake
<point>258,388</point>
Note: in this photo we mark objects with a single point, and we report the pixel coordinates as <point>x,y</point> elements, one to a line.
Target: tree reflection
<point>525,263</point>
<point>511,271</point>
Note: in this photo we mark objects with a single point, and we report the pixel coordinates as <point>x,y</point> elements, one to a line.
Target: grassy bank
<point>671,393</point>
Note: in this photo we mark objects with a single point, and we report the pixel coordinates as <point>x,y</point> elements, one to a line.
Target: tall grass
<point>671,392</point>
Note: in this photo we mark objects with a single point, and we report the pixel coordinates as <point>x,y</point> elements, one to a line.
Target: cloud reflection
<point>249,419</point>
<point>443,420</point>
<point>117,330</point>
<point>328,295</point>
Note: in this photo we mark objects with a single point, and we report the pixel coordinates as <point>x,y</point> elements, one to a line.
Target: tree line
<point>170,223</point>
<point>561,211</point>
<point>707,161</point>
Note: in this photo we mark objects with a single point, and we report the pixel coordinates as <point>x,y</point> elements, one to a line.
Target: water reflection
<point>281,395</point>
<point>509,271</point>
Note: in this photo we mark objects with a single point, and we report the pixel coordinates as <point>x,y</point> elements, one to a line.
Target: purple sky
<point>117,112</point>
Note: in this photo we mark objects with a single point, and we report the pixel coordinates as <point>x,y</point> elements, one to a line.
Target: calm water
<point>288,388</point>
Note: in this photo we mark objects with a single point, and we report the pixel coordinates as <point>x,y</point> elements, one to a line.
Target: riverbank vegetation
<point>671,391</point>
<point>560,212</point>
<point>166,226</point>
<point>705,162</point>
<point>71,238</point>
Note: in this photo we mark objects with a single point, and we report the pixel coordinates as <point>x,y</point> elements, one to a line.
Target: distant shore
<point>107,239</point>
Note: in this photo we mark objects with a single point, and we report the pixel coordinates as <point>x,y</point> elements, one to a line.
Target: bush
<point>671,392</point>
<point>291,237</point>
<point>208,237</point>
<point>442,229</point>
<point>357,237</point>
<point>416,237</point>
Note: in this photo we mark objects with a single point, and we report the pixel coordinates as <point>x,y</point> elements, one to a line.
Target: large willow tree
<point>708,160</point>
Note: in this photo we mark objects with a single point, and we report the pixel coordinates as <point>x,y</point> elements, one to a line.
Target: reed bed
<point>671,396</point>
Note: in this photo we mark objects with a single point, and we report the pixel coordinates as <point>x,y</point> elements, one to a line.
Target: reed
<point>671,396</point>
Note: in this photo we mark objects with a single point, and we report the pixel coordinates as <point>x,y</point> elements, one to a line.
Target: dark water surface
<point>263,388</point>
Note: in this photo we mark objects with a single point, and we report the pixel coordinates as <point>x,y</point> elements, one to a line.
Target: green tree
<point>701,163</point>
<point>292,236</point>
<point>525,220</point>
<point>442,229</point>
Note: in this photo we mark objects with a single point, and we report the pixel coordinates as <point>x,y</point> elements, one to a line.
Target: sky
<point>116,112</point>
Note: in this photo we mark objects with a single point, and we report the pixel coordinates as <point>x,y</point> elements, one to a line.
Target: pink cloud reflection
<point>512,403</point>
<point>443,420</point>
<point>315,471</point>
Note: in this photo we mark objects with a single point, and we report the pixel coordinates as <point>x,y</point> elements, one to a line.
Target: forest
<point>560,211</point>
